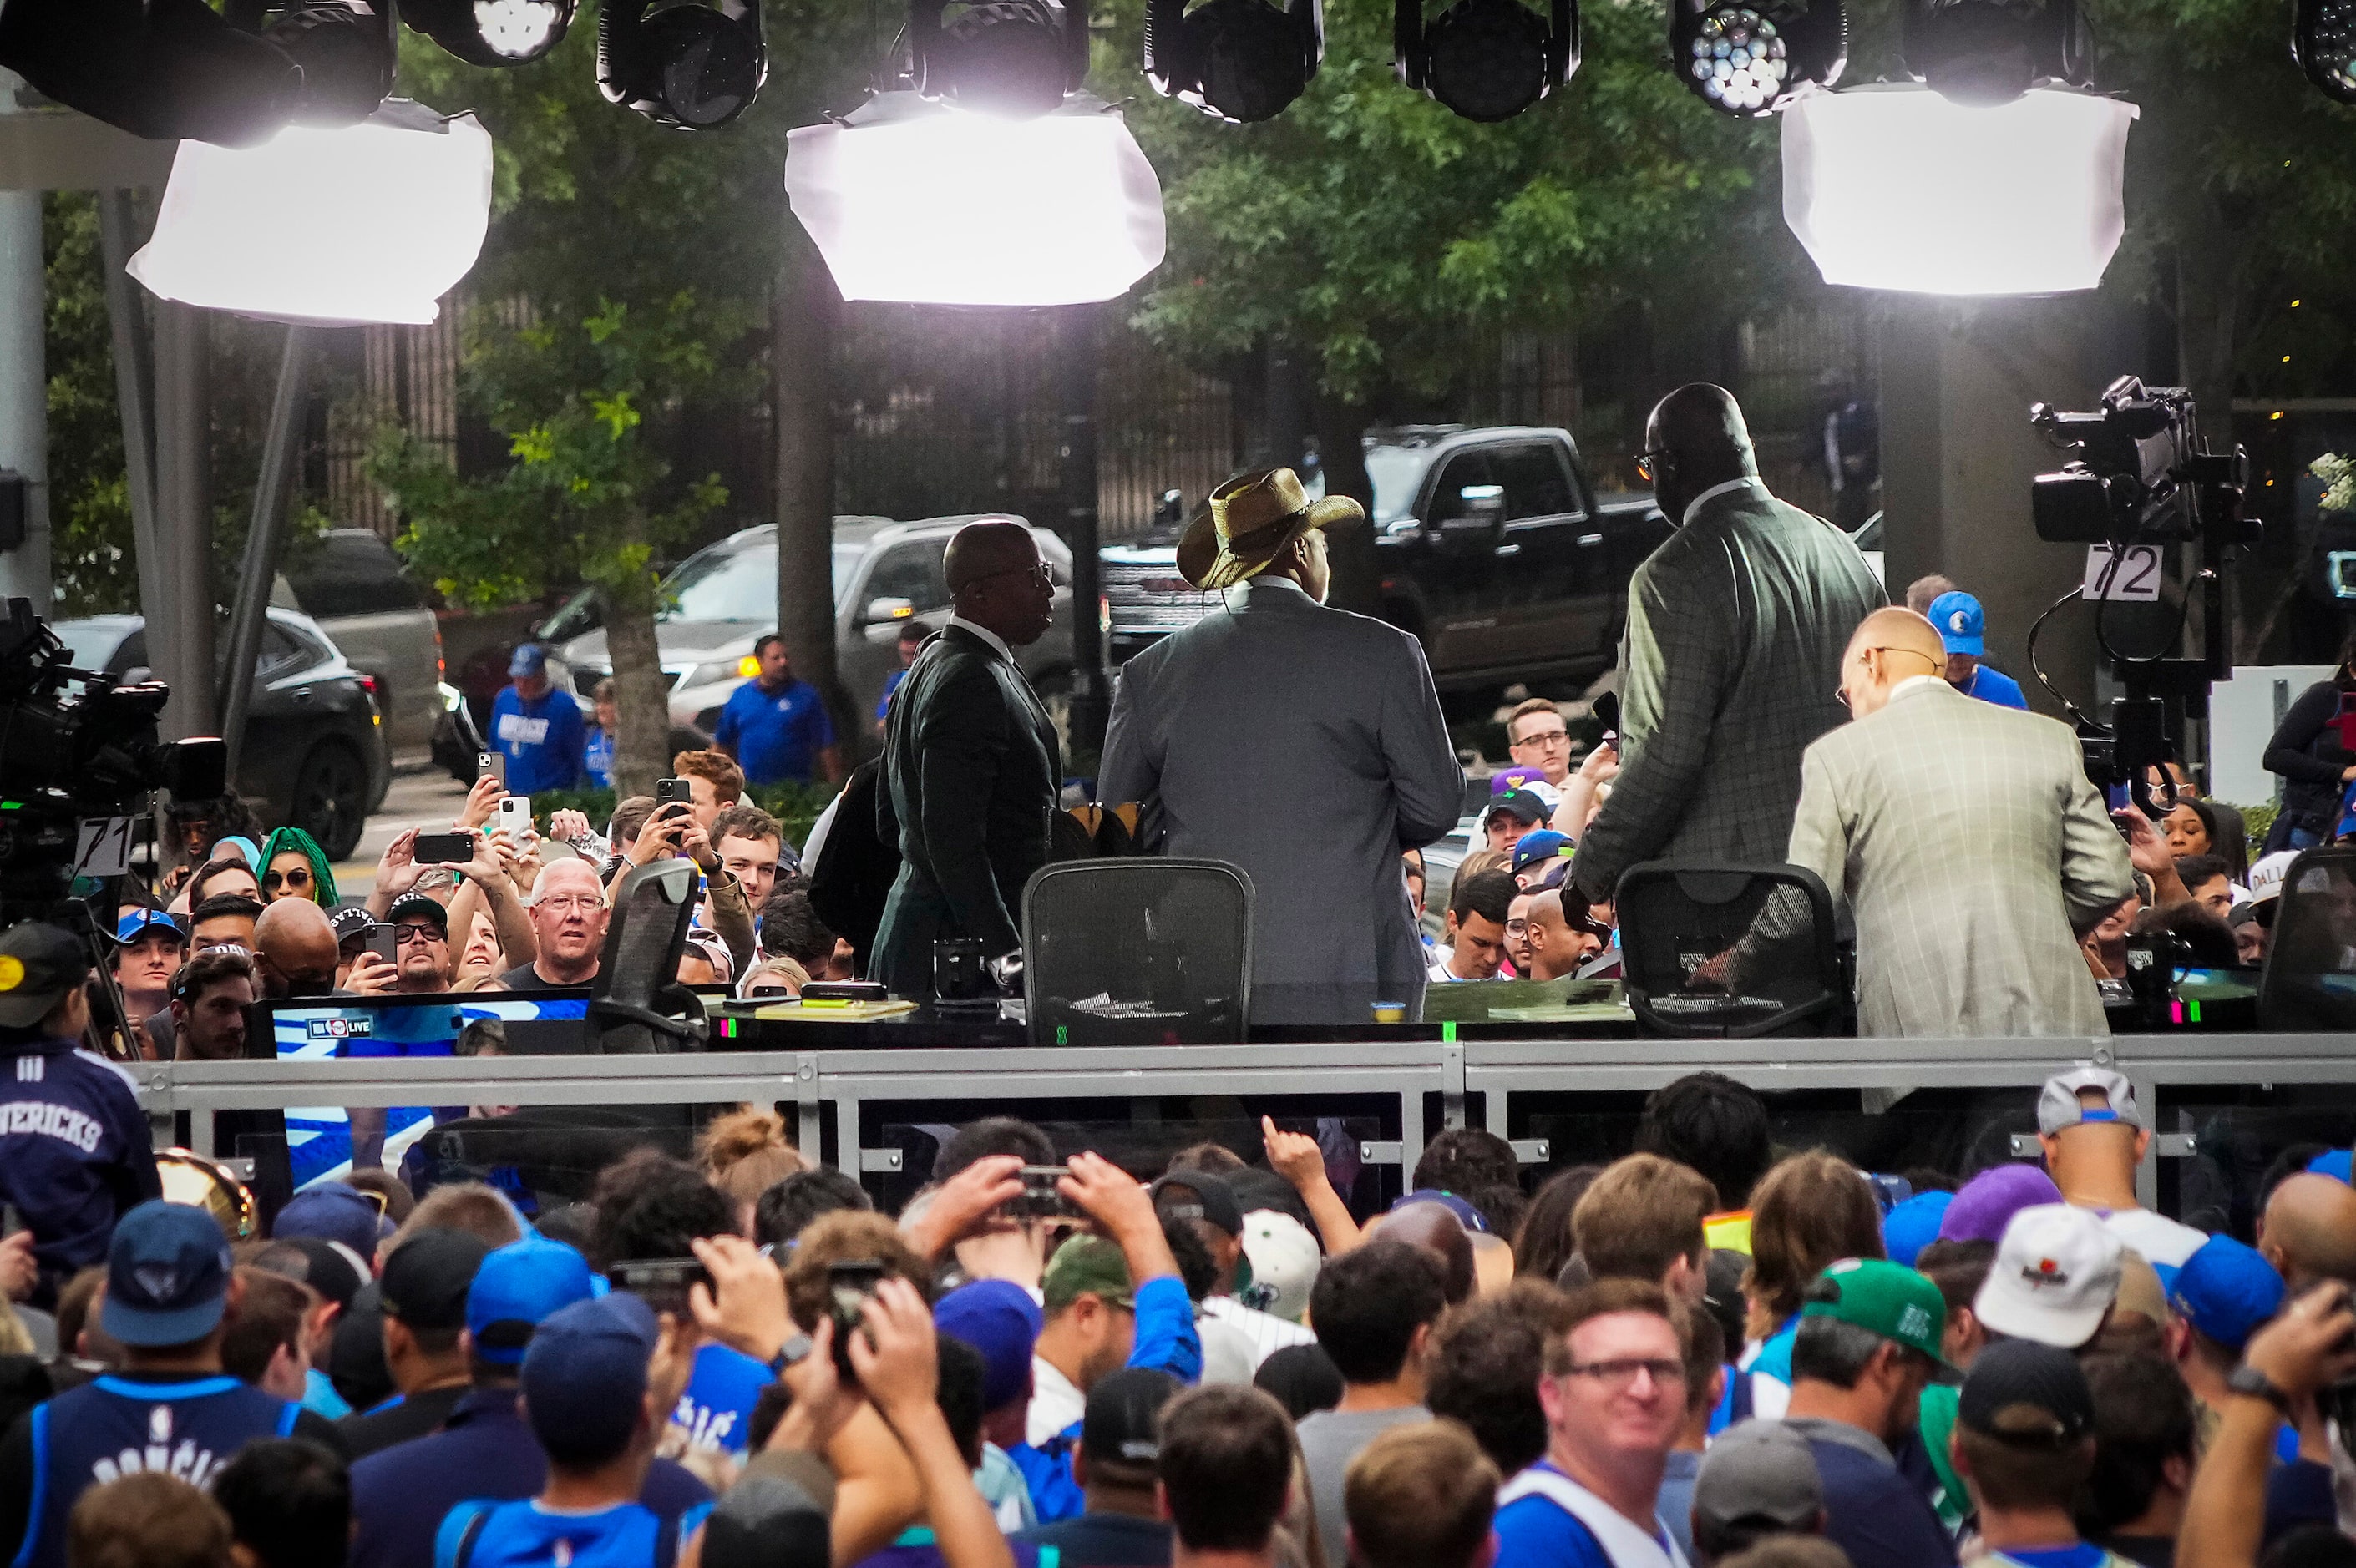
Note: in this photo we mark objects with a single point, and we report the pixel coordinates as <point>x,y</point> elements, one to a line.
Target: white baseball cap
<point>1284,1263</point>
<point>2058,1107</point>
<point>2266,874</point>
<point>2056,1273</point>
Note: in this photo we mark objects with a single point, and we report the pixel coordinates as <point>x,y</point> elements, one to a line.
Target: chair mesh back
<point>1674,918</point>
<point>638,973</point>
<point>1137,950</point>
<point>2310,974</point>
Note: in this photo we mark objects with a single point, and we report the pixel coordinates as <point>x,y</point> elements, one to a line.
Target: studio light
<point>1002,57</point>
<point>912,200</point>
<point>1485,59</point>
<point>374,222</point>
<point>1750,59</point>
<point>491,32</point>
<point>689,67</point>
<point>1985,52</point>
<point>2323,40</point>
<point>1895,186</point>
<point>1237,60</point>
<point>347,50</point>
<point>160,68</point>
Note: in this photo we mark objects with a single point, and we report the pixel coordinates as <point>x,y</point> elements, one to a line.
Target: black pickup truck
<point>1491,546</point>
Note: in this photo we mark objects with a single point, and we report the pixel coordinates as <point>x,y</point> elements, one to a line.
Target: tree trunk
<point>641,692</point>
<point>1357,584</point>
<point>803,313</point>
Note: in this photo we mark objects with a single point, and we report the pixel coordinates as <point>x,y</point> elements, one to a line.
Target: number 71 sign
<point>2136,578</point>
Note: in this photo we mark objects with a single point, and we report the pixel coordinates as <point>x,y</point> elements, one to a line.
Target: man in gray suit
<point>1966,841</point>
<point>1735,630</point>
<point>1303,744</point>
<point>971,766</point>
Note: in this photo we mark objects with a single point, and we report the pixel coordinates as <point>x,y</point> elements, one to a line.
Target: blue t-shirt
<point>597,758</point>
<point>526,1535</point>
<point>1536,1532</point>
<point>891,683</point>
<point>775,735</point>
<point>541,740</point>
<point>1993,686</point>
<point>2085,1555</point>
<point>715,1409</point>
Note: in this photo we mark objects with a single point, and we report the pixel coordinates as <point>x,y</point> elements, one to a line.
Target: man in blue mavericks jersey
<point>171,1408</point>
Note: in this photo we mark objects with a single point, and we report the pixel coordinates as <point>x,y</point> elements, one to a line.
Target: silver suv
<point>724,599</point>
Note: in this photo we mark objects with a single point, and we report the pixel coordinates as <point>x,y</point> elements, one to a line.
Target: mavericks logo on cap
<point>1957,620</point>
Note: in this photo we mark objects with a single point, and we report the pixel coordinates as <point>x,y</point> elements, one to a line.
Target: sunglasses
<point>297,877</point>
<point>1651,462</point>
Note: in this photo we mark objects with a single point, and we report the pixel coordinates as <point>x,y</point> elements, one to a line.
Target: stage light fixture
<point>688,66</point>
<point>915,201</point>
<point>493,33</point>
<point>166,69</point>
<point>347,48</point>
<point>1001,57</point>
<point>1485,59</point>
<point>1237,60</point>
<point>1749,59</point>
<point>1895,186</point>
<point>2323,41</point>
<point>1986,52</point>
<point>373,222</point>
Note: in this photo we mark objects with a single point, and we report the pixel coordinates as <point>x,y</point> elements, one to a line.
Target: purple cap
<point>1989,1200</point>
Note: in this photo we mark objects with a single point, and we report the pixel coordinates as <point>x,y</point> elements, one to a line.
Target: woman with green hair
<point>294,867</point>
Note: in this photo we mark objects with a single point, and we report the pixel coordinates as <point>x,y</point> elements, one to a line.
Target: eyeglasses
<point>297,877</point>
<point>1042,574</point>
<point>1650,462</point>
<point>407,934</point>
<point>1517,927</point>
<point>1617,1377</point>
<point>1548,738</point>
<point>566,903</point>
<point>1840,692</point>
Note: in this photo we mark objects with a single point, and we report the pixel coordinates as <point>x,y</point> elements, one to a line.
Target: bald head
<point>2310,1232</point>
<point>1889,646</point>
<point>983,550</point>
<point>995,578</point>
<point>1696,438</point>
<point>1556,949</point>
<point>296,948</point>
<point>1430,1227</point>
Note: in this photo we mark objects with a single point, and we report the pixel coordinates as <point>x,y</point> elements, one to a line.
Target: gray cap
<point>2058,1106</point>
<point>1759,1470</point>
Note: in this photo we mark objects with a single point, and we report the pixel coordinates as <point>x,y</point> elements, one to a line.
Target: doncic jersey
<point>117,1426</point>
<point>715,1409</point>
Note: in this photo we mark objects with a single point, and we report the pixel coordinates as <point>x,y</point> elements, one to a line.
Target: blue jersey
<point>1993,686</point>
<point>775,735</point>
<point>527,1535</point>
<point>715,1409</point>
<point>117,1426</point>
<point>541,739</point>
<point>597,758</point>
<point>75,1153</point>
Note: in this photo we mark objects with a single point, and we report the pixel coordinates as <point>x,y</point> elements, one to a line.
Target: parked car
<point>724,599</point>
<point>1493,549</point>
<point>350,582</point>
<point>315,754</point>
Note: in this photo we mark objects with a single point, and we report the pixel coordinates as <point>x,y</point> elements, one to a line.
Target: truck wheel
<point>331,801</point>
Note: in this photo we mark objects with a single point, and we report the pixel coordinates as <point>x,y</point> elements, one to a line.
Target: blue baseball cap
<point>999,1319</point>
<point>2227,1290</point>
<point>1963,626</point>
<point>2335,1163</point>
<point>135,924</point>
<point>530,658</point>
<point>519,1287</point>
<point>1912,1224</point>
<point>585,1375</point>
<point>335,1212</point>
<point>1466,1215</point>
<point>168,1271</point>
<point>1544,843</point>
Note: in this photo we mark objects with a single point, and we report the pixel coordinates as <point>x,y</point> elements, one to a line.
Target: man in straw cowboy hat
<point>1303,744</point>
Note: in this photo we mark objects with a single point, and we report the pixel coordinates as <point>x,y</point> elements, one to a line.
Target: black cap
<point>1201,1195</point>
<point>351,921</point>
<point>418,906</point>
<point>1124,1410</point>
<point>39,963</point>
<point>2037,1391</point>
<point>427,1276</point>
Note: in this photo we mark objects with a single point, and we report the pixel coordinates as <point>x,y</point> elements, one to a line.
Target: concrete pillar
<point>23,378</point>
<point>1958,452</point>
<point>183,654</point>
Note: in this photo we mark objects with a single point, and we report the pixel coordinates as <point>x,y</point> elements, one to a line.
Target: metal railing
<point>845,1083</point>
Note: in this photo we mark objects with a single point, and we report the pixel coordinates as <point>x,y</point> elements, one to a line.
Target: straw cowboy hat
<point>1252,518</point>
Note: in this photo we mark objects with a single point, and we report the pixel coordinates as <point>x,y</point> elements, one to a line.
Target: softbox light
<point>911,200</point>
<point>1894,187</point>
<point>372,222</point>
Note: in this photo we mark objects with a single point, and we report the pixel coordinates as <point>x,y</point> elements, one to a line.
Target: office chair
<point>2309,979</point>
<point>1676,916</point>
<point>637,1005</point>
<point>1137,951</point>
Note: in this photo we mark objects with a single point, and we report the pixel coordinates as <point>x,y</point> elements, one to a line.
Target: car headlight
<point>744,668</point>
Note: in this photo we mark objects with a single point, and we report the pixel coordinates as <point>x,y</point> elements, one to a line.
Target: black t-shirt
<point>411,1416</point>
<point>525,977</point>
<point>1104,1541</point>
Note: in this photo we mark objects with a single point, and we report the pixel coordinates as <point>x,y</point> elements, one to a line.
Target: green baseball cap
<point>1882,1298</point>
<point>1088,1265</point>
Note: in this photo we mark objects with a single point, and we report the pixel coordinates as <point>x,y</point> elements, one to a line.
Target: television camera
<point>2142,476</point>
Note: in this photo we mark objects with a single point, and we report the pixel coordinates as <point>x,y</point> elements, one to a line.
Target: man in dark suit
<point>971,765</point>
<point>1735,629</point>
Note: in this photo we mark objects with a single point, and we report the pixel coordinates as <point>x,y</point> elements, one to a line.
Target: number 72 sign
<point>2134,579</point>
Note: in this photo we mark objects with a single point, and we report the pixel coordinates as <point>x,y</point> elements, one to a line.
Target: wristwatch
<point>2248,1379</point>
<point>795,1350</point>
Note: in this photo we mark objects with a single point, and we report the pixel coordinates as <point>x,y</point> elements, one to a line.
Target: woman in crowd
<point>1809,1211</point>
<point>294,867</point>
<point>2310,754</point>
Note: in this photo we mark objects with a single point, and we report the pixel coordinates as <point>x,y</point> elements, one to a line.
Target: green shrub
<point>2257,820</point>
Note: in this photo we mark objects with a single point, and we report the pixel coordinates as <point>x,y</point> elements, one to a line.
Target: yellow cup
<point>1390,1012</point>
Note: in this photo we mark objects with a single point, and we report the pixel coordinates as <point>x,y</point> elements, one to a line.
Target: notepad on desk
<point>835,1012</point>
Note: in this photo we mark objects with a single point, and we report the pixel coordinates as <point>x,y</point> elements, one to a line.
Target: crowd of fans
<point>1707,1351</point>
